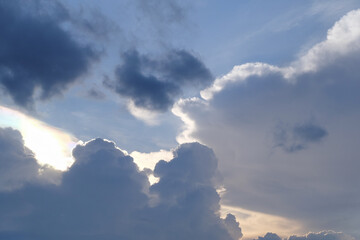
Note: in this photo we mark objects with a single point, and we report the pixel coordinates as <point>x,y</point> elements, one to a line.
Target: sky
<point>168,119</point>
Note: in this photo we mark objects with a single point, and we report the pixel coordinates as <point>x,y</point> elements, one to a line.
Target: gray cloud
<point>324,235</point>
<point>36,53</point>
<point>18,165</point>
<point>298,137</point>
<point>155,84</point>
<point>105,196</point>
<point>233,226</point>
<point>270,236</point>
<point>162,11</point>
<point>96,94</point>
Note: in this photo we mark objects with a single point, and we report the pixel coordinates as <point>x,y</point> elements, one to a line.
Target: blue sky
<point>209,119</point>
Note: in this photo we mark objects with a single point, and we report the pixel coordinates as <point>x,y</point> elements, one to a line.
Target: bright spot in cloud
<point>254,224</point>
<point>149,160</point>
<point>147,116</point>
<point>50,145</point>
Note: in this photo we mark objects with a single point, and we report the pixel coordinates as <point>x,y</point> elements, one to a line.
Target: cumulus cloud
<point>105,196</point>
<point>36,53</point>
<point>154,84</point>
<point>233,226</point>
<point>270,236</point>
<point>238,115</point>
<point>18,165</point>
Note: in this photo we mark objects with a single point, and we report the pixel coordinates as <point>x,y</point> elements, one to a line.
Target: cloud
<point>105,196</point>
<point>36,53</point>
<point>96,94</point>
<point>270,236</point>
<point>324,235</point>
<point>233,226</point>
<point>298,137</point>
<point>154,84</point>
<point>237,115</point>
<point>162,11</point>
<point>18,165</point>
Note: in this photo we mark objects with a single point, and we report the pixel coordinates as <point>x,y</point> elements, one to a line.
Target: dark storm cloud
<point>104,196</point>
<point>298,137</point>
<point>155,84</point>
<point>36,53</point>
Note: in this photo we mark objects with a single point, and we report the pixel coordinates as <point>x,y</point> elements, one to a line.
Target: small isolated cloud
<point>155,84</point>
<point>298,137</point>
<point>36,53</point>
<point>105,196</point>
<point>96,94</point>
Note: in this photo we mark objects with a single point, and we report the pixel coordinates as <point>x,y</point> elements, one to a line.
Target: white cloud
<point>240,115</point>
<point>143,114</point>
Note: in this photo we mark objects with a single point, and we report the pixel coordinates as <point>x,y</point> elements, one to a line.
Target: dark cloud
<point>155,84</point>
<point>298,137</point>
<point>36,53</point>
<point>270,236</point>
<point>324,235</point>
<point>105,196</point>
<point>17,163</point>
<point>96,94</point>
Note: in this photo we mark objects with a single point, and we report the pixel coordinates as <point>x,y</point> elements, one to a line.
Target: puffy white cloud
<point>286,136</point>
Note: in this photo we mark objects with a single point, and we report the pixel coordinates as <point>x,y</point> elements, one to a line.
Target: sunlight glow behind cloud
<point>50,145</point>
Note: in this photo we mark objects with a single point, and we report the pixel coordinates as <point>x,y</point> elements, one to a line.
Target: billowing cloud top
<point>105,196</point>
<point>286,136</point>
